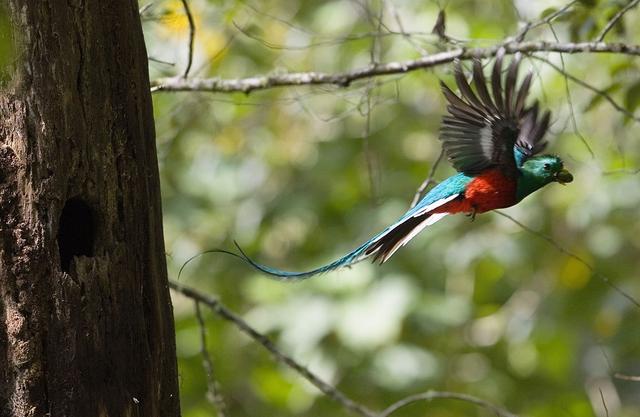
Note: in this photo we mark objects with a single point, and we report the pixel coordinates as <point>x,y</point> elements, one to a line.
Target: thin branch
<point>326,41</point>
<point>192,36</point>
<point>366,136</point>
<point>589,87</point>
<point>433,395</point>
<point>570,254</point>
<point>615,19</point>
<point>262,14</point>
<point>343,79</point>
<point>374,57</point>
<point>624,377</point>
<point>144,9</point>
<point>405,35</point>
<point>622,171</point>
<point>217,307</point>
<point>159,61</point>
<point>561,249</point>
<point>222,311</point>
<point>604,403</point>
<point>522,34</point>
<point>572,113</point>
<point>428,181</point>
<point>213,391</point>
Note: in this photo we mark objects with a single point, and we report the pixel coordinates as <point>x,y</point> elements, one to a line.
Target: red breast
<point>487,191</point>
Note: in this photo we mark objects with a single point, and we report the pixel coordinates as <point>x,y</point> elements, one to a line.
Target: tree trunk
<point>86,326</point>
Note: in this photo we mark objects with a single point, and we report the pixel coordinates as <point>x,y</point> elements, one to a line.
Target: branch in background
<point>344,79</point>
<point>570,254</point>
<point>589,87</point>
<point>627,377</point>
<point>374,56</point>
<point>159,61</point>
<point>622,171</point>
<point>604,403</point>
<point>522,34</point>
<point>574,122</point>
<point>279,356</point>
<point>192,36</point>
<point>407,37</point>
<point>433,395</point>
<point>325,42</point>
<point>213,391</point>
<point>549,239</point>
<point>615,19</point>
<point>427,182</point>
<point>143,9</point>
<point>327,389</point>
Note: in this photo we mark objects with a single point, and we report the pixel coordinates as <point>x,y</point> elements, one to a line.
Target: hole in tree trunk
<point>76,233</point>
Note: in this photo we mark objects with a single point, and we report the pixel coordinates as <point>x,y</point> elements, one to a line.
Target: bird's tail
<point>380,248</point>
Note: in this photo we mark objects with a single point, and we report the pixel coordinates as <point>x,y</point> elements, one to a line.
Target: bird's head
<point>548,168</point>
<point>539,171</point>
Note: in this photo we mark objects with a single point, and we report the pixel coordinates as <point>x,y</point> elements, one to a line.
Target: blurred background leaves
<point>300,175</point>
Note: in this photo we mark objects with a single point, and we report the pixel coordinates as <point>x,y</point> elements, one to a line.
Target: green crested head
<point>540,171</point>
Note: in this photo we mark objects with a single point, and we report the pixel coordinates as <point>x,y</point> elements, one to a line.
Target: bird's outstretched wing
<point>485,129</point>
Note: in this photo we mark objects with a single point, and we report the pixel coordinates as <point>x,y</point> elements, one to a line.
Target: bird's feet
<point>472,214</point>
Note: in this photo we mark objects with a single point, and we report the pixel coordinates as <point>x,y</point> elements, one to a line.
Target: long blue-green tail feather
<point>384,244</point>
<point>349,259</point>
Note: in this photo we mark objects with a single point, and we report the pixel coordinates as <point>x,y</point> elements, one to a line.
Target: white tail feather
<point>428,222</point>
<point>418,213</point>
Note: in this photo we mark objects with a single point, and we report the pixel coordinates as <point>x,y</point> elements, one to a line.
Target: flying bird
<point>492,138</point>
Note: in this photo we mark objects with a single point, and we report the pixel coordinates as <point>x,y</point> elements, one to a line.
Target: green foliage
<point>484,308</point>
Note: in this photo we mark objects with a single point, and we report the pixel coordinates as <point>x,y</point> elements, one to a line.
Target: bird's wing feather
<point>482,129</point>
<point>532,130</point>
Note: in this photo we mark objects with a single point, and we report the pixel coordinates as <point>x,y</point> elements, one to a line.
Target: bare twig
<point>192,36</point>
<point>325,41</point>
<point>622,171</point>
<point>222,311</point>
<point>217,307</point>
<point>615,19</point>
<point>374,57</point>
<point>572,113</point>
<point>559,247</point>
<point>624,377</point>
<point>427,182</point>
<point>143,9</point>
<point>522,34</point>
<point>159,61</point>
<point>589,87</point>
<point>604,403</point>
<point>343,79</point>
<point>433,395</point>
<point>570,254</point>
<point>213,391</point>
<point>549,239</point>
<point>366,136</point>
<point>405,35</point>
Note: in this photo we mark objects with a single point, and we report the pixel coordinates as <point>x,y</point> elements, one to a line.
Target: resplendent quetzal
<point>491,139</point>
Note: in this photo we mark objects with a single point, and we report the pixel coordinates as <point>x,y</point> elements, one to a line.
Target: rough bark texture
<point>86,326</point>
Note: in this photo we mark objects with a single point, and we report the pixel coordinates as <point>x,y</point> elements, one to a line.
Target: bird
<point>494,141</point>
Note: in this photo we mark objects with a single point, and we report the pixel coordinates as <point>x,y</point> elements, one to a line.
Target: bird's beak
<point>563,177</point>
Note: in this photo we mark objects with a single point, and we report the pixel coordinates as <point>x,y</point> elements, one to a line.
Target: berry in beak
<point>563,177</point>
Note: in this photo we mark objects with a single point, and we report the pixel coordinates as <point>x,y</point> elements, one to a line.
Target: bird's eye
<point>547,167</point>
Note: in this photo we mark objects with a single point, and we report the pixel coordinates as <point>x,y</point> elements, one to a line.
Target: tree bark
<point>86,325</point>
